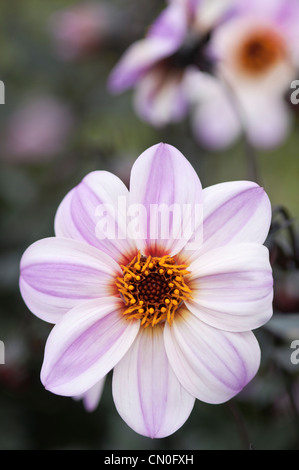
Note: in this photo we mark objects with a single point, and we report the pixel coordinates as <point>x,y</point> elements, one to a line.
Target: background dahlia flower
<point>38,129</point>
<point>156,65</point>
<point>255,54</point>
<point>173,323</point>
<point>79,30</point>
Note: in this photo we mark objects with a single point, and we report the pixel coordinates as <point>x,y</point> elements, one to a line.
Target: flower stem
<point>252,167</point>
<point>250,151</point>
<point>289,225</point>
<point>238,418</point>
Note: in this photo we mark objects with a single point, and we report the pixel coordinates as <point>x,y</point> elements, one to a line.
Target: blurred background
<point>58,123</point>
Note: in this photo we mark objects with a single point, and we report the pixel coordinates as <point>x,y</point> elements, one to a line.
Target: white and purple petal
<point>232,287</point>
<point>212,365</point>
<point>233,212</point>
<point>160,98</point>
<point>268,119</point>
<point>208,95</point>
<point>58,274</point>
<point>92,397</point>
<point>167,191</point>
<point>147,394</point>
<point>95,212</point>
<point>275,10</point>
<point>164,37</point>
<point>85,345</point>
<point>213,130</point>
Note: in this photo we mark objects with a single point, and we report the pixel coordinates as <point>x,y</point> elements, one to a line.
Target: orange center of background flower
<point>259,52</point>
<point>153,288</point>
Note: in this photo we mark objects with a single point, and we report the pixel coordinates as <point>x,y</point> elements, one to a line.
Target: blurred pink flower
<point>256,54</point>
<point>173,322</point>
<point>156,65</point>
<point>37,130</point>
<point>79,30</point>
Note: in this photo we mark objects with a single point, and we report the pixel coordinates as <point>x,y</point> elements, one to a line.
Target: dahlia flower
<point>170,313</point>
<point>79,30</point>
<point>256,57</point>
<point>38,129</point>
<point>157,64</point>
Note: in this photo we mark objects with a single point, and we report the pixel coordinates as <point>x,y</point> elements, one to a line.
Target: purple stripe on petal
<point>99,195</point>
<point>85,345</point>
<point>239,208</point>
<point>65,280</point>
<point>83,212</point>
<point>164,37</point>
<point>58,273</point>
<point>162,182</point>
<point>232,287</point>
<point>157,191</point>
<point>85,350</point>
<point>146,392</point>
<point>212,365</point>
<point>233,212</point>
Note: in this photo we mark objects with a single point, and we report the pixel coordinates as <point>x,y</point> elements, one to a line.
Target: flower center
<point>153,288</point>
<point>260,51</point>
<point>191,52</point>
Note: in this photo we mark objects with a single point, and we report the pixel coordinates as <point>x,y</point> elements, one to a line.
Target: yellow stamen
<point>146,288</point>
